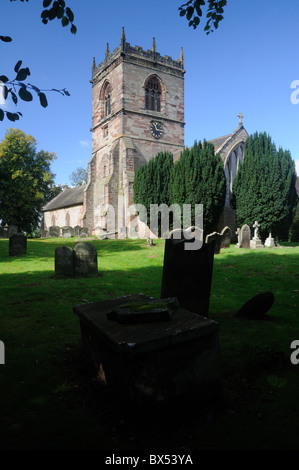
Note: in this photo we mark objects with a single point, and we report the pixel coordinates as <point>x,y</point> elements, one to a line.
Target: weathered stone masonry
<point>121,126</point>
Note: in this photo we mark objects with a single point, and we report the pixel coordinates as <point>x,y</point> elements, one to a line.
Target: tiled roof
<point>219,141</point>
<point>68,197</point>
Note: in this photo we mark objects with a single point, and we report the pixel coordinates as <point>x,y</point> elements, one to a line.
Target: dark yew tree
<point>198,178</point>
<point>264,187</point>
<point>152,183</point>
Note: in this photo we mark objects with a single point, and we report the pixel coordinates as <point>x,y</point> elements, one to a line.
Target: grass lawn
<point>50,398</point>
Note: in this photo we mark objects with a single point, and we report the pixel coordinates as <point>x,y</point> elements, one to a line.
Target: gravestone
<point>256,242</point>
<point>67,232</point>
<point>187,274</point>
<point>226,237</point>
<point>64,262</point>
<point>217,238</point>
<point>245,237</point>
<point>85,260</point>
<point>12,230</point>
<point>54,231</point>
<point>238,237</point>
<point>44,233</point>
<point>17,244</point>
<point>83,232</point>
<point>269,242</point>
<point>257,306</point>
<point>77,230</point>
<point>152,361</point>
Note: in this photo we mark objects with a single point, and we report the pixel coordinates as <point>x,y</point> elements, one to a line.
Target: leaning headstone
<point>215,237</point>
<point>226,234</point>
<point>245,237</point>
<point>256,308</point>
<point>85,260</point>
<point>17,244</point>
<point>54,231</point>
<point>67,232</point>
<point>187,274</point>
<point>64,262</point>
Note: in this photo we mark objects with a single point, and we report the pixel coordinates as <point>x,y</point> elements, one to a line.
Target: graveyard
<point>52,399</point>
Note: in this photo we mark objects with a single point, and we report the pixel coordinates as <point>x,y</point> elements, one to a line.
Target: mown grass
<point>50,398</point>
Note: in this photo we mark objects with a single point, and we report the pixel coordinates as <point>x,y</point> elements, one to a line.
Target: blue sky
<point>247,65</point>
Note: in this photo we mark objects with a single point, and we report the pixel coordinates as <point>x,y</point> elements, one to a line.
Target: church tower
<point>137,111</point>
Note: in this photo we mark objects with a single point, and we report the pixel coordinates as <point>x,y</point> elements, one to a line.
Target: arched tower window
<point>153,94</point>
<point>107,100</point>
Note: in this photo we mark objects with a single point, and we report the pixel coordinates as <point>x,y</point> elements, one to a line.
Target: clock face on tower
<point>156,129</point>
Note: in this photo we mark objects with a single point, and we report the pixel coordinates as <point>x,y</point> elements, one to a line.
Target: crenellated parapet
<point>139,55</point>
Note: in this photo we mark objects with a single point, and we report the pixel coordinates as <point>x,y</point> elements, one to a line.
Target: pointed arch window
<point>153,94</point>
<point>107,101</point>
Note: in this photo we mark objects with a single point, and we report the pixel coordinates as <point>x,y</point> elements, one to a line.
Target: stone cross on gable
<point>240,116</point>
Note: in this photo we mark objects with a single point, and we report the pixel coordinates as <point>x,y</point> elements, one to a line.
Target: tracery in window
<point>153,94</point>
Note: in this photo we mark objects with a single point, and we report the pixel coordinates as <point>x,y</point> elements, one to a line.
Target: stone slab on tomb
<point>152,361</point>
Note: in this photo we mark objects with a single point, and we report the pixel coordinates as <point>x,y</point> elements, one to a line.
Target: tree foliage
<point>26,181</point>
<point>264,187</point>
<point>193,11</point>
<point>152,183</point>
<point>198,178</point>
<point>78,177</point>
<point>294,230</point>
<point>17,87</point>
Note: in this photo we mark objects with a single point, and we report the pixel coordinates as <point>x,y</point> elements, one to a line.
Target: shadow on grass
<point>46,248</point>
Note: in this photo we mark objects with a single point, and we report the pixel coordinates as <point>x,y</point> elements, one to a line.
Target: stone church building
<point>137,111</point>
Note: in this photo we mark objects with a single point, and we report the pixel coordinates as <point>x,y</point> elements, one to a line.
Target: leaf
<point>60,12</point>
<point>3,79</point>
<point>70,14</point>
<point>5,38</point>
<point>25,95</point>
<point>5,92</point>
<point>1,114</point>
<point>12,116</point>
<point>46,3</point>
<point>43,100</point>
<point>73,29</point>
<point>44,14</point>
<point>14,97</point>
<point>65,21</point>
<point>22,74</point>
<point>17,66</point>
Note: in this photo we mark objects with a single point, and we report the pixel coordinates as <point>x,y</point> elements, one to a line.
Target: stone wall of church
<point>66,216</point>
